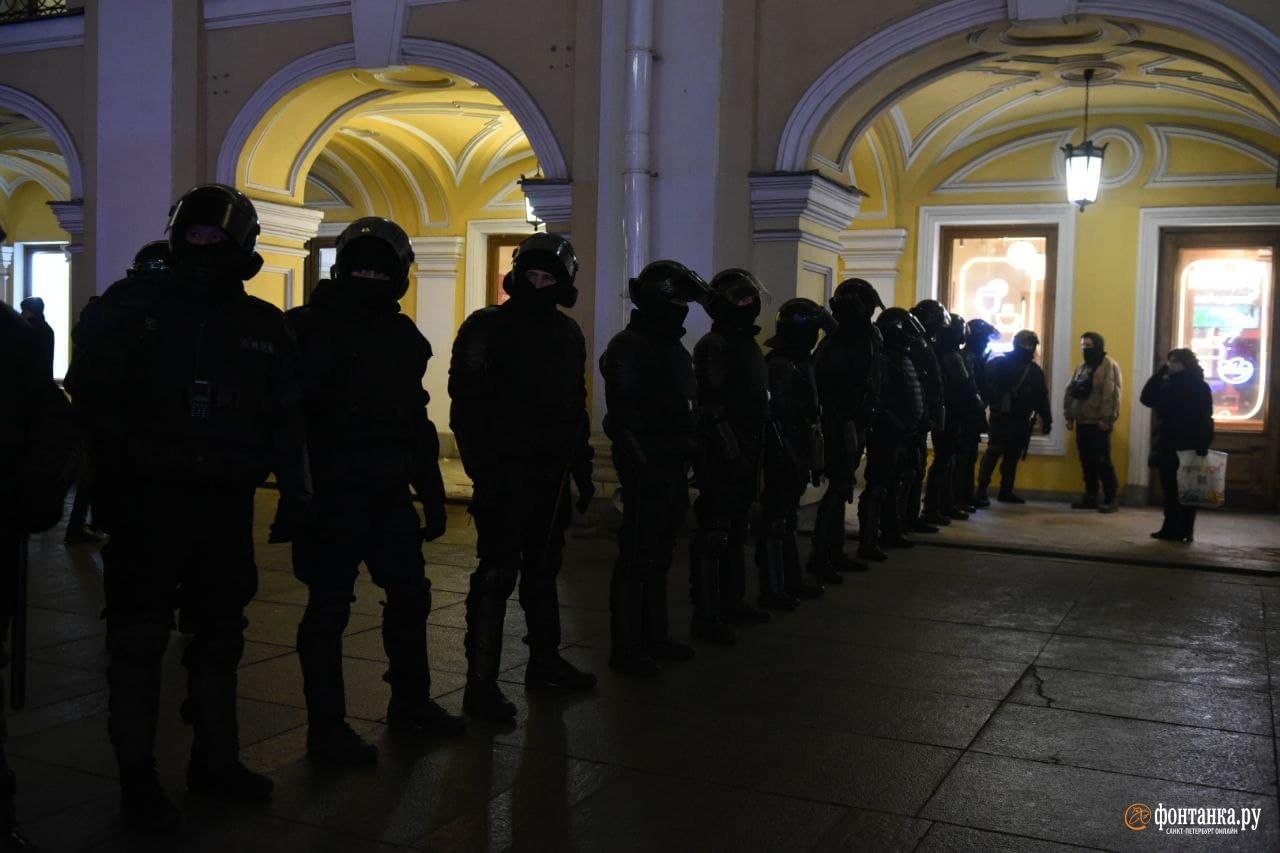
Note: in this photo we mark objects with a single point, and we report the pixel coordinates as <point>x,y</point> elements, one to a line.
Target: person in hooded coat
<point>1183,405</point>
<point>1091,406</point>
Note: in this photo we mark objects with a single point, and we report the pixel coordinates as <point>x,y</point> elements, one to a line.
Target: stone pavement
<point>950,699</point>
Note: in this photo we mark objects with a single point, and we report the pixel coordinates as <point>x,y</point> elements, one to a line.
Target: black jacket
<point>1183,405</point>
<point>733,386</point>
<point>189,385</point>
<point>649,389</point>
<point>793,403</point>
<point>902,413</point>
<point>360,366</point>
<point>517,381</point>
<point>1015,391</point>
<point>848,365</point>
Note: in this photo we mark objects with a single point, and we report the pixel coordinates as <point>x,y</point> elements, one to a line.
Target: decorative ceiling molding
<point>332,198</point>
<point>457,168</point>
<point>958,181</point>
<point>363,162</point>
<point>913,147</point>
<point>1166,134</point>
<point>411,184</point>
<point>31,108</point>
<point>321,134</point>
<point>1157,68</point>
<point>502,158</point>
<point>332,159</point>
<point>502,201</point>
<point>53,183</point>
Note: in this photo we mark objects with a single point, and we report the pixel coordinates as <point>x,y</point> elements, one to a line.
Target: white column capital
<point>873,254</point>
<point>438,256</point>
<point>552,201</point>
<point>70,216</point>
<point>287,222</point>
<point>804,199</point>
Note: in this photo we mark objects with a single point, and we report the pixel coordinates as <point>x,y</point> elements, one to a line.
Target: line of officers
<point>192,392</point>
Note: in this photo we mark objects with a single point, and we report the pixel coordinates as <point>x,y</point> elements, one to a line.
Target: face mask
<point>1025,356</point>
<point>213,264</point>
<point>1092,355</point>
<point>670,314</point>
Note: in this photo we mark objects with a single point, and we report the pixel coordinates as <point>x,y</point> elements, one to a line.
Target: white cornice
<point>224,14</point>
<point>806,196</point>
<point>1165,134</point>
<point>552,200</point>
<point>286,222</point>
<point>438,256</point>
<point>794,235</point>
<point>873,251</point>
<point>70,216</point>
<point>47,34</point>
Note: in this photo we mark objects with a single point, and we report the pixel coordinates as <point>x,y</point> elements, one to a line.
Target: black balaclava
<point>375,255</point>
<point>1093,355</point>
<point>524,295</point>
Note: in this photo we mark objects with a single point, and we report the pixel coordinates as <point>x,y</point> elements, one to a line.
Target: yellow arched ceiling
<point>28,154</point>
<point>1000,100</point>
<point>427,148</point>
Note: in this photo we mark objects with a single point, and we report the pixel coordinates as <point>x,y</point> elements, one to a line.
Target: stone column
<point>873,254</point>
<point>797,220</point>
<point>437,266</point>
<point>283,246</point>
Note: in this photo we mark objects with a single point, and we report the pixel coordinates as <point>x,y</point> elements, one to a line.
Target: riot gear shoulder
<point>377,245</point>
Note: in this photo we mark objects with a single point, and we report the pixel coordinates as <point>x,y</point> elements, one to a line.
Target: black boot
<point>210,708</point>
<point>482,699</point>
<point>704,589</point>
<point>547,669</point>
<point>626,610</point>
<point>793,578</point>
<point>339,745</point>
<point>980,499</point>
<point>329,739</point>
<point>133,676</point>
<point>404,639</point>
<point>773,593</point>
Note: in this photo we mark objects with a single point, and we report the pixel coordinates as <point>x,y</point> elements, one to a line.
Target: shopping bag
<point>1202,480</point>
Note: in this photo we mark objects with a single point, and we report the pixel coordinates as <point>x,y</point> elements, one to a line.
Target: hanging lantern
<point>1084,161</point>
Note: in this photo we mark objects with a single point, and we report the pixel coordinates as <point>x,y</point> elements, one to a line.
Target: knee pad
<point>327,612</point>
<point>409,600</point>
<point>494,578</point>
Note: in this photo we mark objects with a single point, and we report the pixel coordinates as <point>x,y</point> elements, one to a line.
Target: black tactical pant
<point>381,529</point>
<point>777,552</point>
<point>939,492</point>
<point>520,522</point>
<point>890,457</point>
<point>1094,444</point>
<point>1179,520</point>
<point>190,549</point>
<point>965,464</point>
<point>1003,449</point>
<point>911,486</point>
<point>843,457</point>
<point>655,497</point>
<point>718,569</point>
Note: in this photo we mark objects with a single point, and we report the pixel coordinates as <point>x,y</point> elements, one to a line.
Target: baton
<point>18,632</point>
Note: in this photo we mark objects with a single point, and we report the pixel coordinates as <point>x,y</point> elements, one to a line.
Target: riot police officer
<point>933,316</point>
<point>1018,396</point>
<point>518,384</point>
<point>197,381</point>
<point>361,363</point>
<point>900,421</point>
<point>733,408</point>
<point>649,388</point>
<point>964,403</point>
<point>848,366</point>
<point>794,450</point>
<point>978,334</point>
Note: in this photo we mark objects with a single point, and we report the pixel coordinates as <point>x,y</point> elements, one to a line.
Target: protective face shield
<point>900,330</point>
<point>799,321</point>
<point>736,297</point>
<point>664,289</point>
<point>151,259</point>
<point>855,299</point>
<point>933,315</point>
<point>374,256</point>
<point>550,254</point>
<point>229,257</point>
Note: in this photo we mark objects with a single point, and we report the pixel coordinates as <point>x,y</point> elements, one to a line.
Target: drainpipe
<point>635,144</point>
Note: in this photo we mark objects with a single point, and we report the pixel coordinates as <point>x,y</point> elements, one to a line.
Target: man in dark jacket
<point>733,408</point>
<point>794,451</point>
<point>650,391</point>
<point>518,384</point>
<point>1183,406</point>
<point>38,449</point>
<point>1018,396</point>
<point>964,405</point>
<point>900,420</point>
<point>361,363</point>
<point>978,335</point>
<point>42,332</point>
<point>189,386</point>
<point>933,316</point>
<point>848,368</point>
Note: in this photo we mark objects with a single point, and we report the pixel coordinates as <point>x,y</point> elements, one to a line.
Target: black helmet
<point>978,332</point>
<point>899,328</point>
<point>664,289</point>
<point>151,259</point>
<point>932,315</point>
<point>552,254</point>
<point>855,297</point>
<point>225,208</point>
<point>953,335</point>
<point>799,321</point>
<point>736,295</point>
<point>1026,339</point>
<point>377,245</point>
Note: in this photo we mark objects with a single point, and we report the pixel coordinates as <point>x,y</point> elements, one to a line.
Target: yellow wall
<point>1106,256</point>
<point>27,216</point>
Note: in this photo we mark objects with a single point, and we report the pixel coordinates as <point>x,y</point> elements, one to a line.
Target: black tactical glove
<point>294,517</point>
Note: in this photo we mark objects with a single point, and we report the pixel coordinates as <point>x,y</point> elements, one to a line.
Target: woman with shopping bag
<point>1183,405</point>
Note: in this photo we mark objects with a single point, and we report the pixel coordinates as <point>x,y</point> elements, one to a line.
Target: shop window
<point>47,274</point>
<point>1004,275</point>
<point>1224,315</point>
<point>322,252</point>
